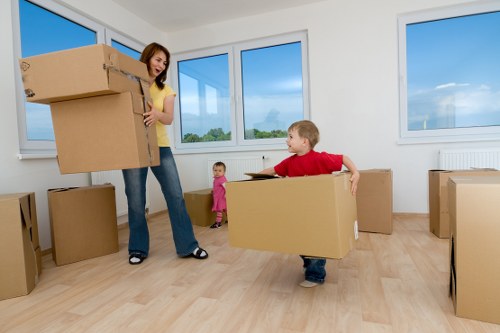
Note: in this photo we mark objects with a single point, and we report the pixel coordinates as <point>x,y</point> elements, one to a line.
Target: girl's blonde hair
<point>307,130</point>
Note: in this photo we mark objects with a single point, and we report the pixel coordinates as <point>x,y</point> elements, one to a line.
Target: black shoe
<point>136,258</point>
<point>215,226</point>
<point>199,253</point>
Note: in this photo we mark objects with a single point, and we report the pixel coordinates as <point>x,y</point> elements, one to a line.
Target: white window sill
<point>36,156</point>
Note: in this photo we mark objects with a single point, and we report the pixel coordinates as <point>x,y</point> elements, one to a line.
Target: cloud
<point>451,85</point>
<point>452,104</point>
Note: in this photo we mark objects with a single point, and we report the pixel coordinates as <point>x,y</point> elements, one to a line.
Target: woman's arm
<point>166,117</point>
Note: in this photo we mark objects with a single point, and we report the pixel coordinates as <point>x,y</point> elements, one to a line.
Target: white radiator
<point>236,167</point>
<point>461,159</point>
<point>115,177</point>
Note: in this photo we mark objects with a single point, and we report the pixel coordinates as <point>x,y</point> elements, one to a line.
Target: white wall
<point>354,94</point>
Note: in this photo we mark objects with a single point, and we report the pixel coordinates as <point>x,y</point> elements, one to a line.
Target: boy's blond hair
<point>307,130</point>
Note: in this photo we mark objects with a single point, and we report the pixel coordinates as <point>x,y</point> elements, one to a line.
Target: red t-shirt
<point>310,164</point>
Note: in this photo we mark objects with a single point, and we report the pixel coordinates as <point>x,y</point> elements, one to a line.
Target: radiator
<point>236,167</point>
<point>115,177</point>
<point>461,159</point>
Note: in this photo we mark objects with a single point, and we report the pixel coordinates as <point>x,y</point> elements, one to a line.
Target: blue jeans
<point>135,189</point>
<point>314,269</point>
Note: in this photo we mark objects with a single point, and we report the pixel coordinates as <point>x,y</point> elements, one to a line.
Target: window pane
<point>204,99</point>
<point>126,50</point>
<point>41,32</point>
<point>272,90</point>
<point>453,72</point>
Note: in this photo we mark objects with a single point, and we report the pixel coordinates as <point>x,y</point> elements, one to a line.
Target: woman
<point>161,113</point>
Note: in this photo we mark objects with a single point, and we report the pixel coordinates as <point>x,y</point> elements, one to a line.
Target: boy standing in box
<point>302,138</point>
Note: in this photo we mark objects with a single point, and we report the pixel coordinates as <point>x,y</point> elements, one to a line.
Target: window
<point>47,27</point>
<point>125,46</point>
<point>450,74</point>
<point>241,96</point>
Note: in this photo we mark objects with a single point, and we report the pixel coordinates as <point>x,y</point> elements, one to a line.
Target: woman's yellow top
<point>158,96</point>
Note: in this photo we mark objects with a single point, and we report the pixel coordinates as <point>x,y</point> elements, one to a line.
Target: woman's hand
<point>152,116</point>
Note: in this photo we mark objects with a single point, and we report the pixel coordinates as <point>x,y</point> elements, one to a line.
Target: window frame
<point>237,142</point>
<point>111,35</point>
<point>437,135</point>
<point>47,148</point>
<point>173,79</point>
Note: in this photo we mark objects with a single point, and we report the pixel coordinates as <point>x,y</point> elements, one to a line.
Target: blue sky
<point>272,89</point>
<point>453,70</point>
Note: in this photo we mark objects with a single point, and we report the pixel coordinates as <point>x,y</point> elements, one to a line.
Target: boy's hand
<point>354,182</point>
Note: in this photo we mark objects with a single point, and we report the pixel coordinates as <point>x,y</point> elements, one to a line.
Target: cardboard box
<point>474,247</point>
<point>19,243</point>
<point>374,201</point>
<point>199,207</point>
<point>314,216</point>
<point>103,133</point>
<point>439,222</point>
<point>81,72</point>
<point>83,223</point>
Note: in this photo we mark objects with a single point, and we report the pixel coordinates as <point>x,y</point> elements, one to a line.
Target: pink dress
<point>219,194</point>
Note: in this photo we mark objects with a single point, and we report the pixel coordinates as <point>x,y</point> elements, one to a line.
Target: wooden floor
<point>390,283</point>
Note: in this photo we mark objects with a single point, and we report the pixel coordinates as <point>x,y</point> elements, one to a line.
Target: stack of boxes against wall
<point>97,97</point>
<point>463,206</point>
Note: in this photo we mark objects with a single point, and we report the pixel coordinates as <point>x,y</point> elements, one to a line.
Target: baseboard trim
<point>422,215</point>
<point>123,220</point>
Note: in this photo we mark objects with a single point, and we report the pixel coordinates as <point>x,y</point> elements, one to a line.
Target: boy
<point>302,138</point>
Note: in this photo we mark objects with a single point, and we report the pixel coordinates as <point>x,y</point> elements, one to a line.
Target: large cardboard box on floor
<point>83,222</point>
<point>374,201</point>
<point>474,247</point>
<point>199,207</point>
<point>20,262</point>
<point>80,72</point>
<point>439,221</point>
<point>313,216</point>
<point>103,133</point>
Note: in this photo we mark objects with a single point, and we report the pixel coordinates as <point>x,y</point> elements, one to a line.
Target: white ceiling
<point>173,15</point>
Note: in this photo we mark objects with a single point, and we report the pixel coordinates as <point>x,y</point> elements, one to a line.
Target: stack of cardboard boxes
<point>463,206</point>
<point>474,235</point>
<point>97,97</point>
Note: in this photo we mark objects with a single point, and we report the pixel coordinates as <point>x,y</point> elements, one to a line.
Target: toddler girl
<point>219,193</point>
